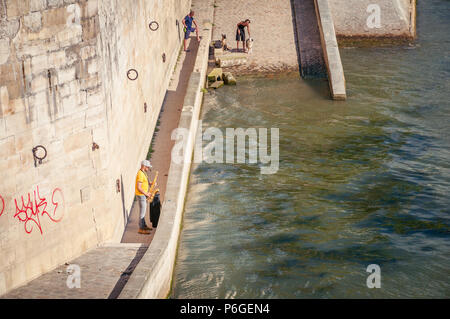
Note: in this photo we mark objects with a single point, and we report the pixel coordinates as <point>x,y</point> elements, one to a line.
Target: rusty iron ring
<point>154,28</point>
<point>164,57</point>
<point>35,149</point>
<point>129,72</point>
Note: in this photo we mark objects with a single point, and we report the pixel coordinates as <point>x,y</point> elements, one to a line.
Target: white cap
<point>146,163</point>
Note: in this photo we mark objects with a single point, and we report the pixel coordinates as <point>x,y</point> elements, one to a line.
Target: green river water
<point>360,182</point>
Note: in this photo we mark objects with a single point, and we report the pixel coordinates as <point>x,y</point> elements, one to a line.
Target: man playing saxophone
<point>142,193</point>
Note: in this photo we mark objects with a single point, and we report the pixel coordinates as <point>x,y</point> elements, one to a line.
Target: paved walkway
<point>272,28</point>
<point>103,273</point>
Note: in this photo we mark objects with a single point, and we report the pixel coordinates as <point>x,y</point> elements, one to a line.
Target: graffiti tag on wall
<point>32,207</point>
<point>2,203</point>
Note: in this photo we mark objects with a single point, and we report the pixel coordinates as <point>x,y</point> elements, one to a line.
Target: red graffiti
<point>33,209</point>
<point>3,205</point>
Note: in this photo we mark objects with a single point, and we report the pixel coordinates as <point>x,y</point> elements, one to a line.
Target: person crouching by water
<point>141,192</point>
<point>240,33</point>
<point>187,22</point>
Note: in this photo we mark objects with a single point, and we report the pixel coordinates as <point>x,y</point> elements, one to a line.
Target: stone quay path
<point>103,272</point>
<point>271,27</point>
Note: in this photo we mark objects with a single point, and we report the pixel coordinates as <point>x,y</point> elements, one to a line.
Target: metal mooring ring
<point>36,157</point>
<point>130,71</point>
<point>164,57</point>
<point>153,23</point>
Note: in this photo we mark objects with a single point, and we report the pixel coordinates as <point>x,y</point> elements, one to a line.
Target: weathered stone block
<point>44,114</point>
<point>2,127</point>
<point>231,60</point>
<point>37,5</point>
<point>55,3</point>
<point>4,50</point>
<point>7,147</point>
<point>18,122</point>
<point>33,21</point>
<point>40,98</point>
<point>95,98</point>
<point>5,108</point>
<point>69,36</point>
<point>9,28</point>
<point>90,9</point>
<point>70,104</point>
<point>39,63</point>
<point>23,141</point>
<point>77,141</point>
<point>92,67</point>
<point>66,125</point>
<point>90,28</point>
<point>66,75</point>
<point>90,82</point>
<point>10,72</point>
<point>39,83</point>
<point>216,85</point>
<point>215,75</point>
<point>14,106</point>
<point>95,115</point>
<point>88,52</point>
<point>81,161</point>
<point>16,8</point>
<point>57,59</point>
<point>55,17</point>
<point>229,78</point>
<point>24,50</point>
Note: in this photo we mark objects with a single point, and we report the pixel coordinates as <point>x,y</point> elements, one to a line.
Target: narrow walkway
<point>103,273</point>
<point>309,45</point>
<point>162,146</point>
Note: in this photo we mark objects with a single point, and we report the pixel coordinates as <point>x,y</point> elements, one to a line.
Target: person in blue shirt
<point>187,22</point>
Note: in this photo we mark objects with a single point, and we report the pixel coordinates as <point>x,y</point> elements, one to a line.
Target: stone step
<point>216,85</point>
<point>229,79</point>
<point>227,60</point>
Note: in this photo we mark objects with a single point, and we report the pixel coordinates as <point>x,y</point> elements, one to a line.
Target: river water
<point>360,182</point>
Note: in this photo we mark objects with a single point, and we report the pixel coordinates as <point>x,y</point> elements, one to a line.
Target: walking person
<point>187,22</point>
<point>141,192</point>
<point>240,33</point>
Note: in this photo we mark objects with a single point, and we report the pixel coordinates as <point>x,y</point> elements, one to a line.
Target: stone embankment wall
<point>64,85</point>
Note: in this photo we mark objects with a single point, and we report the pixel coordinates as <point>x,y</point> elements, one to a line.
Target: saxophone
<point>153,190</point>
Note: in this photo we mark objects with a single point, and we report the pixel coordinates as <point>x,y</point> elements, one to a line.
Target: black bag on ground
<point>155,211</point>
